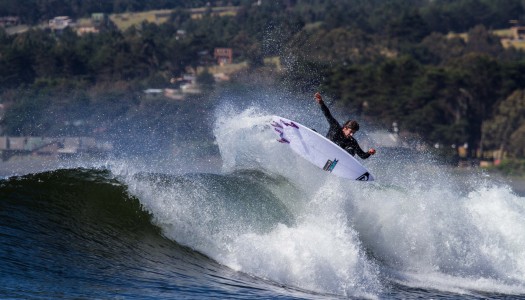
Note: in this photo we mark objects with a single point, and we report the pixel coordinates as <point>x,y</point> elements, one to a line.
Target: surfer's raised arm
<point>343,135</point>
<point>331,120</point>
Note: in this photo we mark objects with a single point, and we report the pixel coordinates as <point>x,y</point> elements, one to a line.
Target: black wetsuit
<point>335,134</point>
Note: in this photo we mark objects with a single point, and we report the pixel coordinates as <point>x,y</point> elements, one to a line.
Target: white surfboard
<point>319,150</point>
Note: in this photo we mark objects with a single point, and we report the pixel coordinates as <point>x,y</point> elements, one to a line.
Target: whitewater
<point>267,224</point>
<point>421,225</point>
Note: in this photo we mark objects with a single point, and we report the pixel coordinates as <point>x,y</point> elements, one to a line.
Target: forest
<point>436,67</point>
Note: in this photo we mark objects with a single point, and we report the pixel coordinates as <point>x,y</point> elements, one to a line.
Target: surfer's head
<point>350,127</point>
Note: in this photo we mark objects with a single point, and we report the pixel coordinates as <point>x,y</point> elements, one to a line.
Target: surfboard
<point>318,150</point>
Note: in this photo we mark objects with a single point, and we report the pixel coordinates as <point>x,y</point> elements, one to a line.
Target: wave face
<point>267,225</point>
<point>79,233</point>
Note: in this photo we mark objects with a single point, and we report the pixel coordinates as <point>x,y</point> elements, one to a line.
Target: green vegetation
<point>511,167</point>
<point>384,60</point>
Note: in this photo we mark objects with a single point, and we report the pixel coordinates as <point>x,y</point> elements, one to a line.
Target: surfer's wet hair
<point>351,124</point>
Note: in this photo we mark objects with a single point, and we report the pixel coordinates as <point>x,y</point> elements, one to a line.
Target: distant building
<point>198,13</point>
<point>185,85</point>
<point>181,33</point>
<point>98,19</point>
<point>518,32</point>
<point>174,94</point>
<point>81,30</point>
<point>223,55</point>
<point>190,88</point>
<point>60,23</point>
<point>9,21</point>
<point>188,78</point>
<point>93,25</point>
<point>48,146</point>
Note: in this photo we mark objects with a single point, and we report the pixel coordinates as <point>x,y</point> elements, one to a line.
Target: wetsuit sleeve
<point>331,120</point>
<point>355,148</point>
<point>361,153</point>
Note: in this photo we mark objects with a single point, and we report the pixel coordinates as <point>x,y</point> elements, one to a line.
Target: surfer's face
<point>347,131</point>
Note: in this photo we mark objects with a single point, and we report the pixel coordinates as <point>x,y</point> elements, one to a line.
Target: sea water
<point>266,224</point>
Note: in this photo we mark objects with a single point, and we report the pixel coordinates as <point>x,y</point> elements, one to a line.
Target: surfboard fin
<point>292,124</point>
<point>281,135</point>
<point>275,124</point>
<point>364,177</point>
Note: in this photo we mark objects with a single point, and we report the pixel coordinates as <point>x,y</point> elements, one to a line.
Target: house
<point>221,77</point>
<point>98,19</point>
<point>199,13</point>
<point>518,32</point>
<point>181,33</point>
<point>9,21</point>
<point>60,23</point>
<point>81,30</point>
<point>51,146</point>
<point>223,55</point>
<point>190,88</point>
<point>93,25</point>
<point>174,94</point>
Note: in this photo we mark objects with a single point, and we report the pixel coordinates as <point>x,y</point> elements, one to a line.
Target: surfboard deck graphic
<point>318,150</point>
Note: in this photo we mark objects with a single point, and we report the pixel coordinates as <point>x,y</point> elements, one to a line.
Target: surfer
<point>343,135</point>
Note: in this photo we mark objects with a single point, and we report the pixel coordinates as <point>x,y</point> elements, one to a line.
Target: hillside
<point>384,62</point>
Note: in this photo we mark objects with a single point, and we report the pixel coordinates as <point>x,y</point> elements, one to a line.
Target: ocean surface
<point>265,224</point>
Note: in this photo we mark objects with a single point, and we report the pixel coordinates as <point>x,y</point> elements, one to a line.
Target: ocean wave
<point>268,225</point>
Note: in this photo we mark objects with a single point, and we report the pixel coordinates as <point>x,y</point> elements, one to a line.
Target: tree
<point>410,27</point>
<point>206,81</point>
<point>481,41</point>
<point>505,131</point>
<point>442,48</point>
<point>26,117</point>
<point>480,85</point>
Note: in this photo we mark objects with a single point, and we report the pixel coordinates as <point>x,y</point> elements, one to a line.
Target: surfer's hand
<point>372,151</point>
<point>318,97</point>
